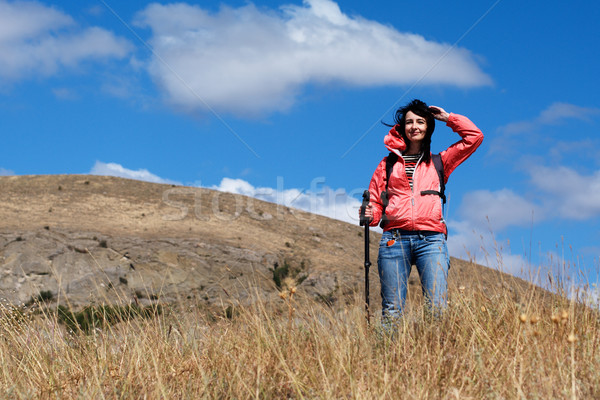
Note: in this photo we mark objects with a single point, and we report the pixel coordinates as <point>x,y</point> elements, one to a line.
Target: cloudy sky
<point>283,100</point>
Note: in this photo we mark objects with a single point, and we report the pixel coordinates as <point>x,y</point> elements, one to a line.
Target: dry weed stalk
<point>484,346</point>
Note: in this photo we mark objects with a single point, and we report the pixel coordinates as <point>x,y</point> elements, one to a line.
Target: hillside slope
<point>76,239</point>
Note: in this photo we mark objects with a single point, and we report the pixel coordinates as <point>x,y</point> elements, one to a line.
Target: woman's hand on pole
<point>439,113</point>
<point>368,212</point>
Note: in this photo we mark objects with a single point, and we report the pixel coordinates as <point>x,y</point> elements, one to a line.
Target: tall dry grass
<point>297,348</point>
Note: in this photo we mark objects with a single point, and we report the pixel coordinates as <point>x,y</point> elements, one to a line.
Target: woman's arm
<point>471,138</point>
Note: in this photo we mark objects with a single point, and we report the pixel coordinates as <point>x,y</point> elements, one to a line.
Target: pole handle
<point>363,207</point>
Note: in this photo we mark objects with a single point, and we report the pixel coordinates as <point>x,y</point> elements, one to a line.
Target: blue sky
<point>283,100</point>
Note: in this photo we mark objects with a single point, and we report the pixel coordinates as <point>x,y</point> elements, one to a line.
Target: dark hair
<point>422,110</point>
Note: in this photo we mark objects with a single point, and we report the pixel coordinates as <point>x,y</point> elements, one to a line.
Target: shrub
<point>92,317</point>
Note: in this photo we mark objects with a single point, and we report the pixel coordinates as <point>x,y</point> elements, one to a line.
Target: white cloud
<point>96,10</point>
<point>113,169</point>
<point>561,192</point>
<point>37,40</point>
<point>558,112</point>
<point>570,194</point>
<point>28,20</point>
<point>533,134</point>
<point>584,148</point>
<point>6,172</point>
<point>65,94</point>
<point>497,210</point>
<point>469,241</point>
<point>555,114</point>
<point>319,199</point>
<point>250,61</point>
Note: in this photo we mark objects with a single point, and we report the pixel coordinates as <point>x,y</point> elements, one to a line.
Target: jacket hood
<point>393,141</point>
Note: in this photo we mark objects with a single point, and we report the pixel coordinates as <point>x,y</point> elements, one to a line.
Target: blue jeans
<point>398,251</point>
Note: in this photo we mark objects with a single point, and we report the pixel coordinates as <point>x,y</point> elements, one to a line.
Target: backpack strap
<point>439,167</point>
<point>391,159</point>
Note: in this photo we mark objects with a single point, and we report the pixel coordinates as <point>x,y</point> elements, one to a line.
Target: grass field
<point>485,346</point>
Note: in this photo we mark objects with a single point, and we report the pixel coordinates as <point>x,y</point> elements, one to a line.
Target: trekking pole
<point>365,222</point>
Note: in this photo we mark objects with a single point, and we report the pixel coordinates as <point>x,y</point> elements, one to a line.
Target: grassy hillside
<point>191,293</point>
<point>485,346</point>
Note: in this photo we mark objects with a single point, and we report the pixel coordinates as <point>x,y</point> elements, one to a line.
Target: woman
<point>414,230</point>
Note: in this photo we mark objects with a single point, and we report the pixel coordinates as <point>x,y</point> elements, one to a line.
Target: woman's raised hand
<point>439,113</point>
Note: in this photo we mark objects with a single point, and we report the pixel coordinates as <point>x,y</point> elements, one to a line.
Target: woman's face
<point>415,127</point>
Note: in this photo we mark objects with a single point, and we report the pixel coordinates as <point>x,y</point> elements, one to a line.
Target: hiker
<point>408,204</point>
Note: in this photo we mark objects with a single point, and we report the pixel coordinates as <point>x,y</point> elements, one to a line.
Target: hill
<point>76,239</point>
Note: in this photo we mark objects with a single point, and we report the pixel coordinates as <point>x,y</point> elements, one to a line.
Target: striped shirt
<point>410,162</point>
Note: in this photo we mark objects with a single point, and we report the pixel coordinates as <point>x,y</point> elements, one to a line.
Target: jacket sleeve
<point>376,186</point>
<point>471,138</point>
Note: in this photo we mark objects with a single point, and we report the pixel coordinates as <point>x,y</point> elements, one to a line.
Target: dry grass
<point>298,348</point>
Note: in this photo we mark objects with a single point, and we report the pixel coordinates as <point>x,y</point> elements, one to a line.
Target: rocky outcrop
<point>80,268</point>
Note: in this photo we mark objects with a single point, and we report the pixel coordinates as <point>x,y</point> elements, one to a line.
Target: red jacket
<point>409,209</point>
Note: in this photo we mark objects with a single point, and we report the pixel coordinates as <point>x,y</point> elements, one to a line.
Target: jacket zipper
<point>412,191</point>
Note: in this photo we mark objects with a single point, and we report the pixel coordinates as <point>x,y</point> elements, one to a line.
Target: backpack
<point>392,158</point>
